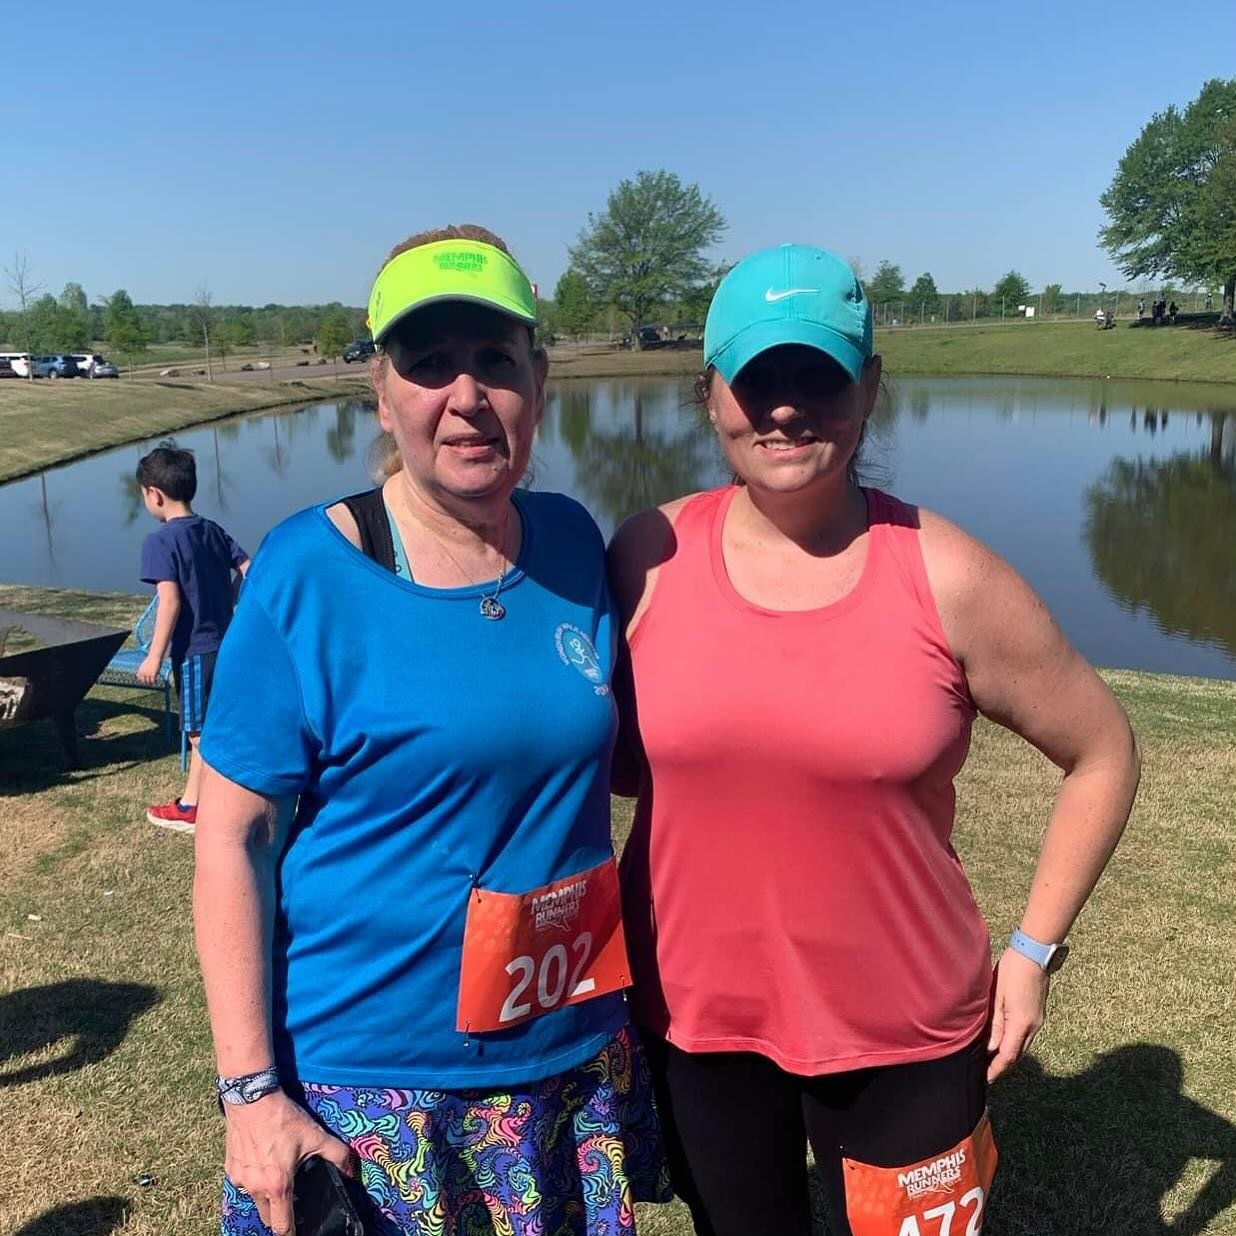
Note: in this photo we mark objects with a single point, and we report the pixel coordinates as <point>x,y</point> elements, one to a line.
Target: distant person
<point>1172,310</point>
<point>1141,309</point>
<point>406,901</point>
<point>807,656</point>
<point>190,561</point>
<point>1210,302</point>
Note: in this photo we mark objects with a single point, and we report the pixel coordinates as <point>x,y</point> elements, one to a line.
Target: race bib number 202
<point>526,954</point>
<point>945,1195</point>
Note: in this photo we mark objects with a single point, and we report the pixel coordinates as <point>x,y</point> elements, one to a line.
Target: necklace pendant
<point>492,608</point>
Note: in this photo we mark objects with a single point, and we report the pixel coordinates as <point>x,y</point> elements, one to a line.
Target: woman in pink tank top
<point>805,660</point>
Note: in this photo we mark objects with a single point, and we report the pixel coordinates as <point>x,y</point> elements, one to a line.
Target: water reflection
<point>643,458</point>
<point>1160,535</point>
<point>1116,500</point>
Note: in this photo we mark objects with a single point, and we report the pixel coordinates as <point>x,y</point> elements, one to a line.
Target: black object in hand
<point>320,1201</point>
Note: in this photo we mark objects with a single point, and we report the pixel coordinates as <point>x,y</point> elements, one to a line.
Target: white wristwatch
<point>1048,957</point>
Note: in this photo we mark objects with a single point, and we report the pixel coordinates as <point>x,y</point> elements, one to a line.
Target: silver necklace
<point>490,607</point>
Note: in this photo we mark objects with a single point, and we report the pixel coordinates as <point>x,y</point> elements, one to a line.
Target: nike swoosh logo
<point>772,297</point>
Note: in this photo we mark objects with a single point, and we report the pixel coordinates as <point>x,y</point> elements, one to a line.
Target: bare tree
<point>199,313</point>
<point>25,289</point>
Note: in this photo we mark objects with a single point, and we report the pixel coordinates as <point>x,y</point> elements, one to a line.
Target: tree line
<point>44,323</point>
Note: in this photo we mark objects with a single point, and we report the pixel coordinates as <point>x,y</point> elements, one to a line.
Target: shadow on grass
<point>1100,1150</point>
<point>32,759</point>
<point>94,1014</point>
<point>1190,321</point>
<point>95,1217</point>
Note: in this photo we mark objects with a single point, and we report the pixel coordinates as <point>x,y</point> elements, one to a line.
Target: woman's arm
<point>1024,674</point>
<point>233,910</point>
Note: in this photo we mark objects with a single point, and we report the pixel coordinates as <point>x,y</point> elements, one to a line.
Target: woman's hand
<point>266,1142</point>
<point>1018,1010</point>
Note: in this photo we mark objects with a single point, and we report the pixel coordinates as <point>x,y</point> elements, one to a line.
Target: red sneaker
<point>172,815</point>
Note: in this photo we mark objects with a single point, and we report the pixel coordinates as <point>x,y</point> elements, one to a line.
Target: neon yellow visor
<point>448,270</point>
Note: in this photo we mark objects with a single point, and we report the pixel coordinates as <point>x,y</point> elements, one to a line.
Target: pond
<point>1117,500</point>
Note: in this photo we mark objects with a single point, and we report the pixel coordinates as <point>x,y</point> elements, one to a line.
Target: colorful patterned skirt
<point>568,1156</point>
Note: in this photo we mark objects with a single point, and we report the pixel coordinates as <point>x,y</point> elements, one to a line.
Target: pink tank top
<point>789,885</point>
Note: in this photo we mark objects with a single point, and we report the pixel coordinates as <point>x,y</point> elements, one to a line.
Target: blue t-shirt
<point>431,749</point>
<point>199,556</point>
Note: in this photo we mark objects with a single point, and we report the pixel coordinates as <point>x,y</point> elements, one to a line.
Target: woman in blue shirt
<point>405,901</point>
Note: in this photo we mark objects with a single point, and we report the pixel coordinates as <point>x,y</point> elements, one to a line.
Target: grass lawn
<point>1121,1122</point>
<point>44,423</point>
<point>1063,349</point>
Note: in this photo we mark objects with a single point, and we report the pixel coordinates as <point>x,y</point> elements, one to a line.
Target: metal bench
<point>122,670</point>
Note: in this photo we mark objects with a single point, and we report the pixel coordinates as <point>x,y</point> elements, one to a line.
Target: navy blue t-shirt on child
<point>199,557</point>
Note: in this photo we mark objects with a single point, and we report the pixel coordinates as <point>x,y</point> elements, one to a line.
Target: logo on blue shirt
<point>575,649</point>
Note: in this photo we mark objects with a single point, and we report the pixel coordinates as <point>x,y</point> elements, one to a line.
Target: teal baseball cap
<point>789,294</point>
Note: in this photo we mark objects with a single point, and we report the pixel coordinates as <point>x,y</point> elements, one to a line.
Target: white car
<point>86,362</point>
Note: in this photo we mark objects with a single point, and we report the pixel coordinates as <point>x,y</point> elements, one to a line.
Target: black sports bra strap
<point>369,511</point>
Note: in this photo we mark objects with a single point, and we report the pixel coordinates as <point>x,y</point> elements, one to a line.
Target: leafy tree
<point>43,316</point>
<point>693,308</point>
<point>244,330</point>
<point>1170,206</point>
<point>334,334</point>
<point>74,323</point>
<point>924,296</point>
<point>123,327</point>
<point>224,339</point>
<point>573,308</point>
<point>648,244</point>
<point>1013,289</point>
<point>1053,295</point>
<point>886,284</point>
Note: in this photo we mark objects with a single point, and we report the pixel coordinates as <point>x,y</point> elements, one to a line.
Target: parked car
<point>361,350</point>
<point>58,365</point>
<point>92,365</point>
<point>6,368</point>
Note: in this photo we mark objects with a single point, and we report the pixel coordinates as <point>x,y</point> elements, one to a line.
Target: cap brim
<point>501,306</point>
<point>760,336</point>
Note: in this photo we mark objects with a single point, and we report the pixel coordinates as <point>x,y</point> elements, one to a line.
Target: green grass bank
<point>1123,1120</point>
<point>45,423</point>
<point>1062,349</point>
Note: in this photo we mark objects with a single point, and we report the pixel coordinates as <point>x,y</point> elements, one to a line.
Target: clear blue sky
<point>275,151</point>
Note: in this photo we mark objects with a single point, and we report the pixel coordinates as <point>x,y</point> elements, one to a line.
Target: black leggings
<point>737,1128</point>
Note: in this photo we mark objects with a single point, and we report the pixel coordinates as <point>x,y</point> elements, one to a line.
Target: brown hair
<point>384,458</point>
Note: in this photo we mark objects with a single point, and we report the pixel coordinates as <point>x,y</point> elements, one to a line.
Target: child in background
<point>190,561</point>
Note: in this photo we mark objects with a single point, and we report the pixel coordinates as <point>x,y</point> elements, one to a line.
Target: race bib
<point>945,1195</point>
<point>525,954</point>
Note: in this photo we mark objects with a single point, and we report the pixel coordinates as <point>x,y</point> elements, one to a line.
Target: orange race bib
<point>525,954</point>
<point>945,1195</point>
